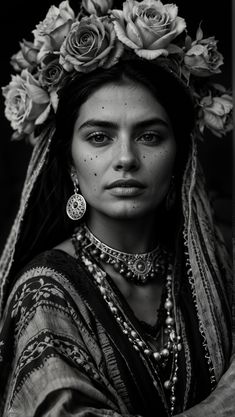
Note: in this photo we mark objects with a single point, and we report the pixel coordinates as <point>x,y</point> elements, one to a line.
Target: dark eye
<point>150,138</point>
<point>99,139</point>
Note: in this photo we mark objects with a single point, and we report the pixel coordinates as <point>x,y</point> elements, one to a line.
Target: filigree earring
<point>171,195</point>
<point>76,204</point>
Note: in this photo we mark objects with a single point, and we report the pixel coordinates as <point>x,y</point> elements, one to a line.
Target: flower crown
<point>99,36</point>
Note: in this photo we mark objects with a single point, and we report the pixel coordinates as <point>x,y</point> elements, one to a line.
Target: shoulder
<point>66,247</point>
<point>50,264</point>
<point>54,263</point>
<point>47,279</point>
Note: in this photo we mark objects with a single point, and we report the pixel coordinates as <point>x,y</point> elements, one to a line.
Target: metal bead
<point>174,379</point>
<point>157,356</point>
<point>173,398</point>
<point>179,346</point>
<point>165,353</point>
<point>133,333</point>
<point>102,290</point>
<point>104,257</point>
<point>167,384</point>
<point>147,352</point>
<point>168,305</point>
<point>117,267</point>
<point>169,321</point>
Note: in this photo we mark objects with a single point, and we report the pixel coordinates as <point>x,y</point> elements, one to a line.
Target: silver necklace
<point>172,345</point>
<point>139,269</point>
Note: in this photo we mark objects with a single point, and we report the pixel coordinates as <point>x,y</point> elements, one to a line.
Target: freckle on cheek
<point>84,160</point>
<point>95,174</point>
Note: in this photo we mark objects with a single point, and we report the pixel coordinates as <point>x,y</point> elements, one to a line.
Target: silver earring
<point>76,204</point>
<point>171,195</point>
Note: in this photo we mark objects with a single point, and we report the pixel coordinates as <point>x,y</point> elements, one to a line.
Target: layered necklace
<point>139,269</point>
<point>143,268</point>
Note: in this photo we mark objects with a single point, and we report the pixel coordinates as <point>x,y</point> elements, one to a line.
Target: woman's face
<point>123,148</point>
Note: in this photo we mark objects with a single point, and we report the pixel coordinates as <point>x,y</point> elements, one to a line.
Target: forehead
<point>128,102</point>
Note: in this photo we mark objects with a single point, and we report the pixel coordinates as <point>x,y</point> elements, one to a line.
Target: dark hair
<point>46,223</point>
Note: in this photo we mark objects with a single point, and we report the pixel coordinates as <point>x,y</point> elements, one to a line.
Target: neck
<point>126,235</point>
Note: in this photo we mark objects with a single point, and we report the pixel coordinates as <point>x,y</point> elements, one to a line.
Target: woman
<point>128,313</point>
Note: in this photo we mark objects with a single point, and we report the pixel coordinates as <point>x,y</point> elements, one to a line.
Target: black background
<point>17,22</point>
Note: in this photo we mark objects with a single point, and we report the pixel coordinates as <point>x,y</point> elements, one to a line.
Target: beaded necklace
<point>139,269</point>
<point>171,347</point>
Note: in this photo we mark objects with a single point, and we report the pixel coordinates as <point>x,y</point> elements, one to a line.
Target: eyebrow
<point>112,125</point>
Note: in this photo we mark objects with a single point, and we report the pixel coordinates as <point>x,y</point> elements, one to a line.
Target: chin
<point>129,213</point>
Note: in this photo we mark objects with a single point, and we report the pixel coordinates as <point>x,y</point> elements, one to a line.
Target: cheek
<point>84,161</point>
<point>160,165</point>
<point>88,173</point>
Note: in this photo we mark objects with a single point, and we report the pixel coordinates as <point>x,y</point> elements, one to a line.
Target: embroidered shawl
<point>62,350</point>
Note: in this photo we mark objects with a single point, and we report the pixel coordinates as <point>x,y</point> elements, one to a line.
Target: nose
<point>126,156</point>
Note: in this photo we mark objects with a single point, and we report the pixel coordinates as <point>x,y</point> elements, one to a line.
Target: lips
<point>125,184</point>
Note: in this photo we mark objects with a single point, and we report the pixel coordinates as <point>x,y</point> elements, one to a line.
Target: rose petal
<point>66,11</point>
<point>89,6</point>
<point>128,8</point>
<point>163,42</point>
<point>196,50</point>
<point>37,94</point>
<point>133,34</point>
<point>115,54</point>
<point>213,121</point>
<point>227,103</point>
<point>118,15</point>
<point>43,116</point>
<point>179,25</point>
<point>151,54</point>
<point>122,35</point>
<point>216,108</point>
<point>54,100</point>
<point>148,36</point>
<point>172,10</point>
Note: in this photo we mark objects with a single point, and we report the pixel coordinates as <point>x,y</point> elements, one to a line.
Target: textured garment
<point>63,354</point>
